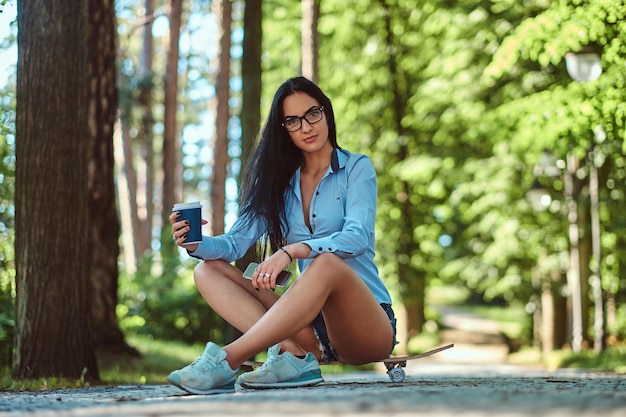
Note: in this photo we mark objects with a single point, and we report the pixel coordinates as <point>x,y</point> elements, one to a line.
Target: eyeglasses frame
<point>301,118</point>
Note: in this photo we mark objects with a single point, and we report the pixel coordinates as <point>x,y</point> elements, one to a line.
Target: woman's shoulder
<point>347,158</point>
<point>350,160</point>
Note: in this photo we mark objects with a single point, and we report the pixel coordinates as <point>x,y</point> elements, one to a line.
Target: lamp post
<point>585,66</point>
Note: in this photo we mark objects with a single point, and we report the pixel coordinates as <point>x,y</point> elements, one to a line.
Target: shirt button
<point>313,214</point>
<point>320,249</point>
<point>330,249</point>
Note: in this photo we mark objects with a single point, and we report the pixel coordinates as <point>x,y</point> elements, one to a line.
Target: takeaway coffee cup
<point>193,213</point>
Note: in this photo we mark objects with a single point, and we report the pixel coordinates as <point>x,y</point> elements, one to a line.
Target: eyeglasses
<point>312,116</point>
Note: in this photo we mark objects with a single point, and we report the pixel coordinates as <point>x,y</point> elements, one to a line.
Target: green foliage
<point>455,102</point>
<point>281,47</point>
<point>166,305</point>
<point>553,111</point>
<point>419,109</point>
<point>565,26</point>
<point>612,360</point>
<point>564,117</point>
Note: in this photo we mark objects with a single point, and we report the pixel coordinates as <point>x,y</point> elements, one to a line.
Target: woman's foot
<point>209,374</point>
<point>283,370</point>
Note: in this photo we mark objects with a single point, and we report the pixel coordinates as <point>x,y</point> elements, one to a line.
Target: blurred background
<point>496,128</point>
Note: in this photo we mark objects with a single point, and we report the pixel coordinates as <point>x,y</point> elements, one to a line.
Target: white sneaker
<point>209,374</point>
<point>283,371</point>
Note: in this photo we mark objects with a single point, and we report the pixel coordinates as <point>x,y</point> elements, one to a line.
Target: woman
<point>308,200</point>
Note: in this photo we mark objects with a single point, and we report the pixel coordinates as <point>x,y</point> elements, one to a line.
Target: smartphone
<point>282,279</point>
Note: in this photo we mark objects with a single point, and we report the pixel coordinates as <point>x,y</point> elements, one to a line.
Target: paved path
<point>476,340</point>
<point>431,389</point>
<point>469,380</point>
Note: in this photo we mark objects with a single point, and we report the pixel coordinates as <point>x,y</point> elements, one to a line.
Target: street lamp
<point>584,66</point>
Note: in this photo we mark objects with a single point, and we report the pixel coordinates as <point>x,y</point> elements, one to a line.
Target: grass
<point>158,359</point>
<point>612,360</point>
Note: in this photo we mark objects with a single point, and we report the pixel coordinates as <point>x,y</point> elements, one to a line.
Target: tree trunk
<point>310,16</point>
<point>220,154</point>
<point>143,237</point>
<point>584,252</point>
<point>251,75</point>
<point>53,335</point>
<point>596,249</point>
<point>574,273</point>
<point>127,192</point>
<point>251,87</point>
<point>547,318</point>
<point>104,228</point>
<point>560,318</point>
<point>170,142</point>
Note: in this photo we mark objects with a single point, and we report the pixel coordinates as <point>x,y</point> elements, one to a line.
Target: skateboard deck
<point>395,364</point>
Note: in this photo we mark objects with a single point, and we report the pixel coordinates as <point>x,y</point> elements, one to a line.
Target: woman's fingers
<point>263,279</point>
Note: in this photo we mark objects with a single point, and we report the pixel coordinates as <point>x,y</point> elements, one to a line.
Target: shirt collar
<point>337,161</point>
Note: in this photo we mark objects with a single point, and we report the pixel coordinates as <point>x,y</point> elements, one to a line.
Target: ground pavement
<point>432,389</point>
<point>468,380</point>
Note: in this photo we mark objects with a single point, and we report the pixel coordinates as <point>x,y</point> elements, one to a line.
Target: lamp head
<point>584,65</point>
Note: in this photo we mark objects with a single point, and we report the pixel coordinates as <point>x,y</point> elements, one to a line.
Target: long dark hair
<point>275,160</point>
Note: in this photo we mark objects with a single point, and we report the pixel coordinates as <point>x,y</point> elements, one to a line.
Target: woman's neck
<point>317,162</point>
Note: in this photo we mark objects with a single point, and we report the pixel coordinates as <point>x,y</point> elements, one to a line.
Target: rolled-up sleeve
<point>356,234</point>
<point>233,244</point>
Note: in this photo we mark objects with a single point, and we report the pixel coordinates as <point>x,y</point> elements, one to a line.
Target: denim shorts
<point>328,351</point>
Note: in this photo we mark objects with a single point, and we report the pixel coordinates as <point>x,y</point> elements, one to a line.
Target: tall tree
<point>222,9</point>
<point>170,141</point>
<point>251,76</point>
<point>251,89</point>
<point>136,192</point>
<point>143,225</point>
<point>104,228</point>
<point>53,334</point>
<point>310,17</point>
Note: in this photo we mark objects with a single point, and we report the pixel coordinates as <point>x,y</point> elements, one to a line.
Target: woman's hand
<point>264,277</point>
<point>179,231</point>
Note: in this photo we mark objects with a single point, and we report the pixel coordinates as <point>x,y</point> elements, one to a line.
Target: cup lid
<point>187,206</point>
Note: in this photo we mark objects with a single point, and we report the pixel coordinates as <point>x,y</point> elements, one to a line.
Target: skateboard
<point>395,364</point>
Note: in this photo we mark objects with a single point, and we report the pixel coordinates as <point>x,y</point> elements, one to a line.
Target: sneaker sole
<point>284,384</point>
<point>226,389</point>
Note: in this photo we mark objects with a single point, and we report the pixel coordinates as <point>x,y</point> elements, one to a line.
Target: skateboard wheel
<point>397,374</point>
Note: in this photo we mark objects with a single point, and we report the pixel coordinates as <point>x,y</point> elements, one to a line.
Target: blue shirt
<point>342,216</point>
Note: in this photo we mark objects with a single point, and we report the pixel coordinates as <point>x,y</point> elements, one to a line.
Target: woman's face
<point>306,122</point>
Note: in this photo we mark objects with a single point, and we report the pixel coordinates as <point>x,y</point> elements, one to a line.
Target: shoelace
<point>203,363</point>
<point>270,360</point>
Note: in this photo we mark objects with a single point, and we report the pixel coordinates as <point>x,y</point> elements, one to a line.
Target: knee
<point>328,265</point>
<point>328,259</point>
<point>203,271</point>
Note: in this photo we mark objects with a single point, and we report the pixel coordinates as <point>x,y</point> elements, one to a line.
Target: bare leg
<point>235,299</point>
<point>357,326</point>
